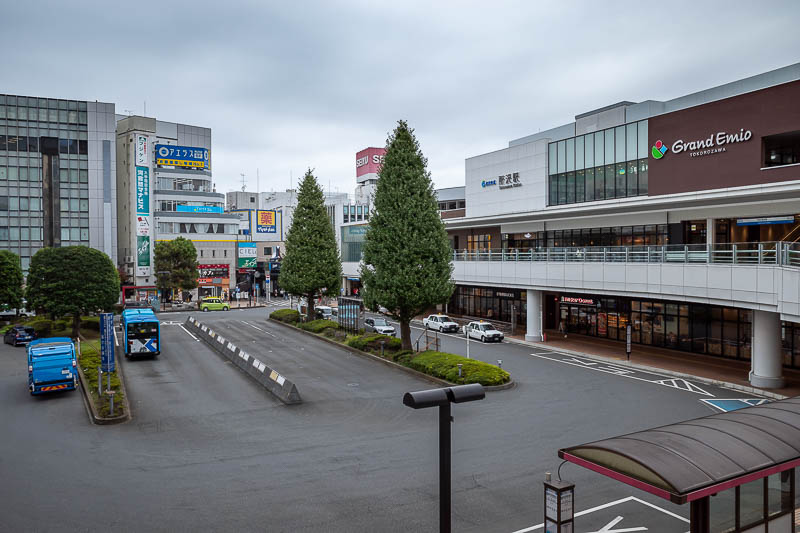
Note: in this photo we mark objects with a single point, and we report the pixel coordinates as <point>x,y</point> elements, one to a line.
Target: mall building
<point>680,218</point>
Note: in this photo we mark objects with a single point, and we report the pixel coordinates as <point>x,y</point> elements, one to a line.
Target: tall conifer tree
<point>407,262</point>
<point>311,262</point>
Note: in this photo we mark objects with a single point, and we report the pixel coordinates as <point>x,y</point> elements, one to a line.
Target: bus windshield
<point>142,330</point>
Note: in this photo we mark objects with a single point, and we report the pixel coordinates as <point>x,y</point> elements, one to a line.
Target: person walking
<point>562,327</point>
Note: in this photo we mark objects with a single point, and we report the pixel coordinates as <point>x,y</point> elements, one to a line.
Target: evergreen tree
<point>10,280</point>
<point>406,265</point>
<point>311,263</point>
<point>177,259</point>
<point>73,280</point>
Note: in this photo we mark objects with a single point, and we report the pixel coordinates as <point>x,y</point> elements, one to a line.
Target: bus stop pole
<point>444,468</point>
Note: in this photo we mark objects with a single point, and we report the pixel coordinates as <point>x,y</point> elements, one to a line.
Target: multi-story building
<point>166,191</point>
<point>677,218</point>
<point>452,202</point>
<point>57,169</point>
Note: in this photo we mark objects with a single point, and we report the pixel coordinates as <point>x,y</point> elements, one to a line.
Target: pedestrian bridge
<point>761,276</point>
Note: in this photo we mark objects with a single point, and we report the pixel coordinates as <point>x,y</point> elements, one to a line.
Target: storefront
<point>213,280</point>
<point>489,303</point>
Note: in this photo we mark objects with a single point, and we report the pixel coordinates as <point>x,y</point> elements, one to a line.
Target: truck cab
<point>52,365</point>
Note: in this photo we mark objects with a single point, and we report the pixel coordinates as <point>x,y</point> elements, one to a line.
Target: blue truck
<point>52,365</point>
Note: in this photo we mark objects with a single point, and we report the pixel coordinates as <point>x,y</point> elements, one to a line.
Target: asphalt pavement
<point>208,449</point>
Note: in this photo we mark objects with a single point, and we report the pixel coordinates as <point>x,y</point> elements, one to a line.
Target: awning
<point>354,279</point>
<point>690,460</point>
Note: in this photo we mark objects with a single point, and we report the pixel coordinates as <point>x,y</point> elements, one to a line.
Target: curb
<point>94,416</point>
<point>411,371</point>
<point>657,370</point>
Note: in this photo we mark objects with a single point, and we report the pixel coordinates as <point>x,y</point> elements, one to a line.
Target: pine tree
<point>406,265</point>
<point>311,264</point>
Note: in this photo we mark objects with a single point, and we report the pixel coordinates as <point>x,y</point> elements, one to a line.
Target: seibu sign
<point>369,161</point>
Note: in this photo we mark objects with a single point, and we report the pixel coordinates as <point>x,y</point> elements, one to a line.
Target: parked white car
<point>379,325</point>
<point>440,323</point>
<point>483,331</point>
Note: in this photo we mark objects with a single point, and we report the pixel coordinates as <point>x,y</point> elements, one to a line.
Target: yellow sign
<point>180,163</point>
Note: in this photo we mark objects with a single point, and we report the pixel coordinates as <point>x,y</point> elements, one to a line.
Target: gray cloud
<point>290,86</point>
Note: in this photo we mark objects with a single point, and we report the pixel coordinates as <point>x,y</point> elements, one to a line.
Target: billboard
<point>248,254</point>
<point>265,221</point>
<point>142,225</point>
<point>181,156</point>
<point>244,221</point>
<point>198,209</point>
<point>369,161</point>
<point>142,191</point>
<point>141,150</point>
<point>142,255</point>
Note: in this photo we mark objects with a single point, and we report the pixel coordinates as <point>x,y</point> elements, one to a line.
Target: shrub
<point>371,342</point>
<point>42,327</point>
<point>290,316</point>
<point>90,322</point>
<point>402,357</point>
<point>319,325</point>
<point>445,366</point>
<point>60,325</point>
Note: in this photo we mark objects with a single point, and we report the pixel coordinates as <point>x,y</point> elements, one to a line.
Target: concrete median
<point>269,378</point>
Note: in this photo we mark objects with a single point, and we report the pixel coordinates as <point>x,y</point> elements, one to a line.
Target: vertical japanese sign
<point>141,150</point>
<point>107,342</point>
<point>142,191</point>
<point>142,255</point>
<point>265,221</point>
<point>143,210</point>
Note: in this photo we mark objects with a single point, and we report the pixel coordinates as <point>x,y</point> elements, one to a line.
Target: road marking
<point>682,384</point>
<point>116,340</point>
<point>607,528</point>
<point>188,333</point>
<point>732,404</point>
<point>259,329</point>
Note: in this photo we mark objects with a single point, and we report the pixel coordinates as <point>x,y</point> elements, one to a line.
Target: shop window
<point>782,149</point>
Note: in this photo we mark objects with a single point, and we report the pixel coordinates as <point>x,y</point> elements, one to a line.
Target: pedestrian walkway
<point>702,366</point>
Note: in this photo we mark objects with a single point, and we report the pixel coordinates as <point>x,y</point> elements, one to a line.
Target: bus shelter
<point>736,470</point>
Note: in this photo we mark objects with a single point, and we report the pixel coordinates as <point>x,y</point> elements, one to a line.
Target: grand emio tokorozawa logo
<point>659,149</point>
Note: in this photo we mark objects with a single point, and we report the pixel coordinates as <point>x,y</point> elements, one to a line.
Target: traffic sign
<point>107,342</point>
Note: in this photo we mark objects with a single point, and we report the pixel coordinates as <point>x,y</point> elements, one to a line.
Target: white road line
<point>616,371</point>
<point>116,340</point>
<point>670,513</point>
<point>259,329</point>
<point>581,513</point>
<point>188,333</point>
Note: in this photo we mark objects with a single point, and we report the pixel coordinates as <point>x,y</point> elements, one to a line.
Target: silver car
<point>379,325</point>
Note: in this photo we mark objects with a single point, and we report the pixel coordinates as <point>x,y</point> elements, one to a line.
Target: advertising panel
<point>244,221</point>
<point>198,209</point>
<point>142,225</point>
<point>248,254</point>
<point>181,156</point>
<point>142,191</point>
<point>265,221</point>
<point>369,161</point>
<point>141,150</point>
<point>142,255</point>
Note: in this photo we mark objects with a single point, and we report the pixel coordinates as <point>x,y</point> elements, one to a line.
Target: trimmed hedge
<point>41,326</point>
<point>290,316</point>
<point>371,342</point>
<point>319,325</point>
<point>445,366</point>
<point>90,322</point>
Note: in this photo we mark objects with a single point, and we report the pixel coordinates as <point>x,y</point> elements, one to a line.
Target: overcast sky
<point>289,85</point>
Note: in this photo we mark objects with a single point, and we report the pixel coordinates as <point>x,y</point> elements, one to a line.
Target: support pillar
<point>534,323</point>
<point>767,371</point>
<point>711,230</point>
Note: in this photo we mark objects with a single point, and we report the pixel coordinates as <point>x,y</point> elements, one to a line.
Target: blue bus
<point>141,332</point>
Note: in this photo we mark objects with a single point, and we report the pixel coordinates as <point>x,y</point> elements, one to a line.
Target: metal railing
<point>746,253</point>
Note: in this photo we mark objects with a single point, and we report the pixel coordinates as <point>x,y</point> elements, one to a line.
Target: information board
<point>107,342</point>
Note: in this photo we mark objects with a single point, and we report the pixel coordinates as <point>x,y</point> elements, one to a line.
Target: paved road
<point>208,449</point>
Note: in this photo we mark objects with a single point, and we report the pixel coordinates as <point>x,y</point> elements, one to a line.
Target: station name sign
<point>713,144</point>
<point>505,181</point>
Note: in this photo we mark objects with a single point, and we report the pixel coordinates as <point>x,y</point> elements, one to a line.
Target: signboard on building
<point>265,221</point>
<point>181,156</point>
<point>244,221</point>
<point>141,150</point>
<point>142,191</point>
<point>576,300</point>
<point>198,209</point>
<point>248,254</point>
<point>142,225</point>
<point>142,255</point>
<point>369,161</point>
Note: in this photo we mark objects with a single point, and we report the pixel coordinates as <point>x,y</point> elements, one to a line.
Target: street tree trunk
<point>310,306</point>
<point>405,334</point>
<point>76,325</point>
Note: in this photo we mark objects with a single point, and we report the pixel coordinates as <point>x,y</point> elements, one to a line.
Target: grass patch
<point>289,316</point>
<point>445,366</point>
<point>89,359</point>
<point>319,325</point>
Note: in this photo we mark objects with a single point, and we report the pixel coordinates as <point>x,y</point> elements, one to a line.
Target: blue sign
<point>107,342</point>
<point>198,209</point>
<point>151,345</point>
<point>488,183</point>
<point>181,156</point>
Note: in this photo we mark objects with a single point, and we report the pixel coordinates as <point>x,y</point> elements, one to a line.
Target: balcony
<point>764,276</point>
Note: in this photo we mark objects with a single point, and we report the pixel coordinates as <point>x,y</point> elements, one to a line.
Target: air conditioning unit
<point>129,259</point>
<point>129,270</point>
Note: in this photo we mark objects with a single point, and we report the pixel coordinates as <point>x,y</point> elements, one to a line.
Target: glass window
<point>589,150</point>
<point>619,172</point>
<point>643,187</point>
<point>599,183</point>
<point>553,190</point>
<point>630,141</point>
<point>643,146</point>
<point>599,151</point>
<point>580,182</point>
<point>84,234</point>
<point>23,204</point>
<point>74,234</point>
<point>722,511</point>
<point>609,141</point>
<point>610,183</point>
<point>12,204</point>
<point>779,493</point>
<point>619,134</point>
<point>633,175</point>
<point>562,156</point>
<point>570,187</point>
<point>551,158</point>
<point>579,153</point>
<point>562,189</point>
<point>589,184</point>
<point>570,155</point>
<point>25,234</point>
<point>751,503</point>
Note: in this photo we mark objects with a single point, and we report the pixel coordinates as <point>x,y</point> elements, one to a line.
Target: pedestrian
<point>562,327</point>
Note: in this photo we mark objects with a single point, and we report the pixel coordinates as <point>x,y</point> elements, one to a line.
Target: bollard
<point>459,369</point>
<point>500,363</point>
<point>110,402</point>
<point>383,343</point>
<point>99,381</point>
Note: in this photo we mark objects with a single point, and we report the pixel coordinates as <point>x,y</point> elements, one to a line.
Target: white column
<point>711,230</point>
<point>534,325</point>
<point>767,371</point>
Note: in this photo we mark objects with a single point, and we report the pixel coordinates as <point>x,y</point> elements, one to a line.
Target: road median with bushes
<point>439,365</point>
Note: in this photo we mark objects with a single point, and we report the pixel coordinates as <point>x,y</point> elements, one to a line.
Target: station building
<point>679,218</point>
